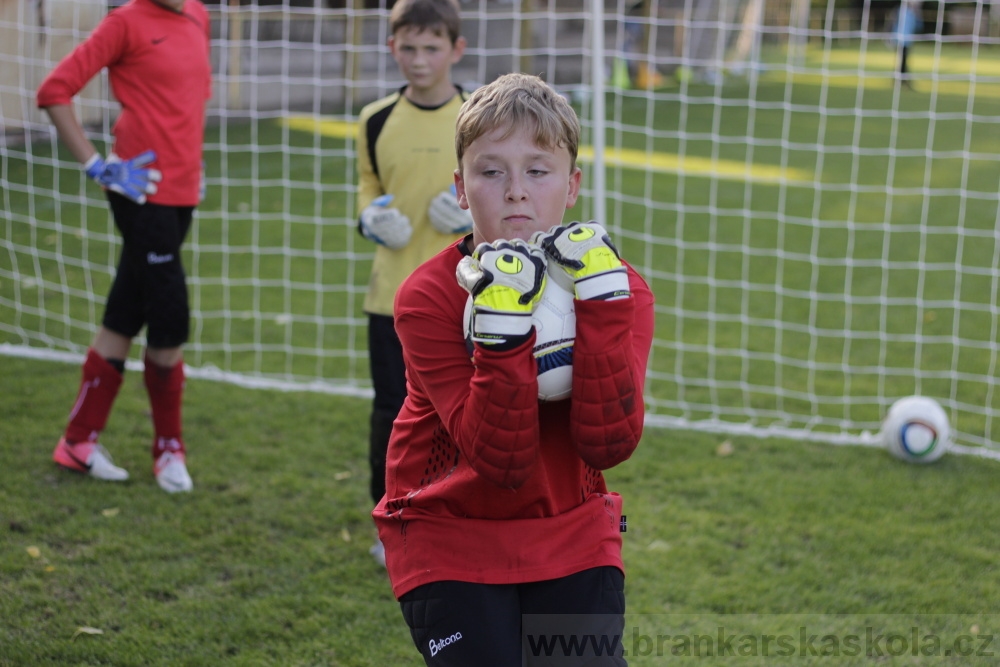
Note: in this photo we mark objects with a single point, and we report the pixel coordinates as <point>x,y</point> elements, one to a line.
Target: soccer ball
<point>916,430</point>
<point>555,333</point>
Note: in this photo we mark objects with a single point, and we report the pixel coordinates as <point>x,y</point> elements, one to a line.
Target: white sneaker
<point>171,472</point>
<point>89,458</point>
<point>378,552</point>
<point>101,466</point>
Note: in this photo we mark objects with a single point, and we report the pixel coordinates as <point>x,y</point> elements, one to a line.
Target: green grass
<point>756,281</point>
<point>266,562</point>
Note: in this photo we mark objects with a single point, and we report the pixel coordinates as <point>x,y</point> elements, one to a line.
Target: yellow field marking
<point>838,79</point>
<point>340,129</point>
<point>921,59</point>
<point>670,163</point>
<point>875,69</point>
<point>625,158</point>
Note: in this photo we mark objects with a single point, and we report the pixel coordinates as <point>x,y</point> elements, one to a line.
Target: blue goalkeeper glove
<point>129,178</point>
<point>506,280</point>
<point>584,251</point>
<point>385,226</point>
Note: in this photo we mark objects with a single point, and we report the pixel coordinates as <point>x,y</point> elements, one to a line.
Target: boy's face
<point>425,57</point>
<point>513,187</point>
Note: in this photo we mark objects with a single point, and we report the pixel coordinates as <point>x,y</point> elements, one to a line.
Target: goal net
<point>819,230</point>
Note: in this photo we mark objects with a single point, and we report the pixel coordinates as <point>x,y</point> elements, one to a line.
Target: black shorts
<point>455,623</point>
<point>150,287</point>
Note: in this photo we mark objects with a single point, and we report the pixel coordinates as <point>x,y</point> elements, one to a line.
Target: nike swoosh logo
<point>157,41</point>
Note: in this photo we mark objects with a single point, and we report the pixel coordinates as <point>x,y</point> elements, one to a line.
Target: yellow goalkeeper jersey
<point>409,152</point>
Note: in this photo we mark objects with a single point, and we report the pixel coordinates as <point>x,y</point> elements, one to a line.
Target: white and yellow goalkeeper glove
<point>385,226</point>
<point>447,216</point>
<point>505,279</point>
<point>585,252</point>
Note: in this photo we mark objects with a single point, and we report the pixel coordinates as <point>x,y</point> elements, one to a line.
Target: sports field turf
<point>266,562</point>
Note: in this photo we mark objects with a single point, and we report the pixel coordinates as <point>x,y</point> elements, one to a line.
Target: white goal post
<point>819,230</point>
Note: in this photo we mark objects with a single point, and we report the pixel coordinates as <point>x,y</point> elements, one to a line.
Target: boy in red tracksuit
<point>495,504</point>
<point>157,56</point>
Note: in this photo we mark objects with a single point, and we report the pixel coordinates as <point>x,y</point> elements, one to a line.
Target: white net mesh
<point>820,233</point>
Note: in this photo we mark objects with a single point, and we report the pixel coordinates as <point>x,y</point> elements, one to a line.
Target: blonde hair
<point>515,101</point>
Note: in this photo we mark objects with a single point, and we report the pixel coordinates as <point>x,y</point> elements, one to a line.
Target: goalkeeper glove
<point>447,216</point>
<point>585,252</point>
<point>385,226</point>
<point>129,178</point>
<point>505,279</point>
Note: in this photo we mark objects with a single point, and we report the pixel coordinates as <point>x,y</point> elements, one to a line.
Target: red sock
<point>165,387</point>
<point>98,389</point>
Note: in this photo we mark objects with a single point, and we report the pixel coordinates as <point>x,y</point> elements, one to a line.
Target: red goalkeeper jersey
<point>159,70</point>
<point>484,483</point>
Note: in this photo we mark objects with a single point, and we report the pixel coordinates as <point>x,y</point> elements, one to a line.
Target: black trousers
<point>385,361</point>
<point>574,621</point>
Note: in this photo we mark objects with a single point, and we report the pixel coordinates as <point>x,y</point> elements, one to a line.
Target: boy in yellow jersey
<point>406,162</point>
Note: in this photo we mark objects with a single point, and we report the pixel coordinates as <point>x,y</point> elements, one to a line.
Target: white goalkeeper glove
<point>505,279</point>
<point>447,216</point>
<point>585,252</point>
<point>385,226</point>
<point>129,178</point>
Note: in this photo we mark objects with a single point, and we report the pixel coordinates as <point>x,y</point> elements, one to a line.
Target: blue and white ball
<point>916,430</point>
<point>555,335</point>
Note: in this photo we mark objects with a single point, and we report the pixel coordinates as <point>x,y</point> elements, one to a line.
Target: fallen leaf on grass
<point>345,534</point>
<point>34,552</point>
<point>725,449</point>
<point>86,630</point>
<point>341,476</point>
<point>110,512</point>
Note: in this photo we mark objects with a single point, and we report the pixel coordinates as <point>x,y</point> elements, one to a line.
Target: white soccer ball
<point>916,430</point>
<point>555,334</point>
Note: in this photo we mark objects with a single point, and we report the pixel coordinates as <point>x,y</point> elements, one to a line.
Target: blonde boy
<point>496,508</point>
